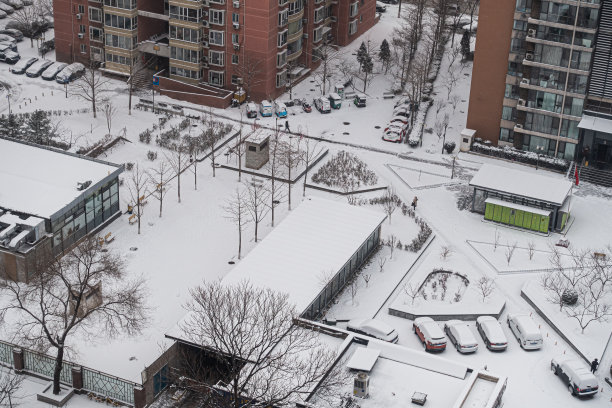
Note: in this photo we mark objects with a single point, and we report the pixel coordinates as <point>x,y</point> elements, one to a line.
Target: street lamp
<point>8,97</point>
<point>538,150</point>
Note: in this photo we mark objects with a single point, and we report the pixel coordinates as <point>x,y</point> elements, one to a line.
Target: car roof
<point>377,325</point>
<point>481,319</point>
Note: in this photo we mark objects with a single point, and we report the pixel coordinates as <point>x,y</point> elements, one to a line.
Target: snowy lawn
<point>423,175</point>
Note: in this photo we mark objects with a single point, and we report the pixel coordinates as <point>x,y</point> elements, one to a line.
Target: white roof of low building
<point>314,241</point>
<point>521,183</point>
<point>40,181</point>
<point>596,124</point>
<point>363,359</point>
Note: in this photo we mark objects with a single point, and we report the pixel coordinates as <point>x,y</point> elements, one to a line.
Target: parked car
<point>402,101</point>
<point>392,136</point>
<point>400,119</point>
<point>335,100</point>
<point>360,100</point>
<point>70,73</point>
<point>492,333</point>
<point>373,328</point>
<point>265,108</point>
<point>576,375</point>
<point>251,110</point>
<point>8,39</point>
<point>12,32</point>
<point>429,333</point>
<point>9,56</point>
<point>401,111</point>
<point>16,4</point>
<point>380,7</point>
<point>3,14</point>
<point>322,105</point>
<point>280,109</point>
<point>306,107</point>
<point>525,330</point>
<point>6,8</point>
<point>51,72</point>
<point>389,1</point>
<point>397,127</point>
<point>20,67</point>
<point>38,67</point>
<point>461,336</point>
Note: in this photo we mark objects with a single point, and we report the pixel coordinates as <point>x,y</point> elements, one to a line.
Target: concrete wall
<point>194,94</point>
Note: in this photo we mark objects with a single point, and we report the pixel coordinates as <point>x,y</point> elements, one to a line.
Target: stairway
<point>591,175</point>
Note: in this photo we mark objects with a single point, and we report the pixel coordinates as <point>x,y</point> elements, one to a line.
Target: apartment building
<point>541,70</point>
<point>203,50</point>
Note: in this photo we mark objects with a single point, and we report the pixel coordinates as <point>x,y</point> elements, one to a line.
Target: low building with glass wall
<point>50,200</point>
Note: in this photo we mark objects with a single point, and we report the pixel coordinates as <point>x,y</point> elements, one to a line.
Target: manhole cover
<point>345,133</point>
<point>346,123</point>
<point>312,81</point>
<point>133,248</point>
<point>231,262</point>
<point>376,127</point>
<point>312,90</point>
<point>104,250</point>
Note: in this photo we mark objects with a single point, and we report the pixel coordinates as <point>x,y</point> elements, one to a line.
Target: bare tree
<point>211,137</point>
<point>445,252</point>
<point>82,294</point>
<point>485,287</point>
<point>251,69</point>
<point>109,114</point>
<point>389,202</point>
<point>328,56</point>
<point>366,278</point>
<point>391,242</point>
<point>509,251</point>
<point>91,86</point>
<point>236,211</point>
<point>137,187</point>
<point>241,323</point>
<point>412,291</point>
<point>275,195</point>
<point>311,151</point>
<point>158,178</point>
<point>256,201</point>
<point>134,69</point>
<point>289,157</point>
<point>179,161</point>
<point>531,248</point>
<point>593,303</point>
<point>454,101</point>
<point>28,19</point>
<point>10,383</point>
<point>381,263</point>
<point>555,287</point>
<point>496,238</point>
<point>353,288</point>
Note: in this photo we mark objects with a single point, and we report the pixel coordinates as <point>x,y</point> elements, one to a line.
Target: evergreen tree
<point>38,128</point>
<point>385,54</point>
<point>465,44</point>
<point>367,68</point>
<point>361,53</point>
<point>10,126</point>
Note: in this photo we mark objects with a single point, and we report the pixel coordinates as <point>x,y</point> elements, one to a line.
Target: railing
<point>6,354</point>
<point>104,384</point>
<point>44,365</point>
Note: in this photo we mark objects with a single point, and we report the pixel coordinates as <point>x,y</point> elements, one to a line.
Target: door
<point>497,213</point>
<point>544,221</point>
<point>489,211</point>
<point>535,222</point>
<point>527,216</point>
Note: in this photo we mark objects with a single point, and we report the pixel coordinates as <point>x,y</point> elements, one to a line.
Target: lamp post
<point>538,150</point>
<point>8,98</point>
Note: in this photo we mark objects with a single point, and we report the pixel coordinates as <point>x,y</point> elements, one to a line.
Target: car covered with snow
<point>70,73</point>
<point>38,67</point>
<point>9,56</point>
<point>460,335</point>
<point>322,105</point>
<point>402,111</point>
<point>280,109</point>
<point>265,108</point>
<point>51,72</point>
<point>401,119</point>
<point>430,334</point>
<point>360,100</point>
<point>16,34</point>
<point>5,38</point>
<point>306,106</point>
<point>373,328</point>
<point>20,67</point>
<point>251,110</point>
<point>392,136</point>
<point>16,4</point>
<point>525,330</point>
<point>380,7</point>
<point>576,376</point>
<point>492,333</point>
<point>6,8</point>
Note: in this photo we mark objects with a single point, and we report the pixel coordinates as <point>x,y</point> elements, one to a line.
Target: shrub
<point>345,170</point>
<point>151,155</point>
<point>449,147</point>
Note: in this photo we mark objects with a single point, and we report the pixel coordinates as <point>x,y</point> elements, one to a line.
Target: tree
<point>367,67</point>
<point>289,156</point>
<point>39,128</point>
<point>11,126</point>
<point>211,136</point>
<point>256,202</point>
<point>361,54</point>
<point>179,161</point>
<point>28,19</point>
<point>471,6</point>
<point>445,252</point>
<point>389,202</point>
<point>485,287</point>
<point>311,151</point>
<point>531,249</point>
<point>137,187</point>
<point>109,114</point>
<point>135,69</point>
<point>509,252</point>
<point>158,178</point>
<point>236,211</point>
<point>251,70</point>
<point>10,383</point>
<point>84,293</point>
<point>384,54</point>
<point>381,263</point>
<point>91,86</point>
<point>273,166</point>
<point>391,241</point>
<point>366,278</point>
<point>465,44</point>
<point>328,56</point>
<point>412,291</point>
<point>241,324</point>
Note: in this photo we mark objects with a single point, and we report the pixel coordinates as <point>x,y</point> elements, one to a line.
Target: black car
<point>380,7</point>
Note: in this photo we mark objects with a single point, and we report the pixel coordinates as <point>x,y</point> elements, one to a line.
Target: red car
<point>306,106</point>
<point>429,333</point>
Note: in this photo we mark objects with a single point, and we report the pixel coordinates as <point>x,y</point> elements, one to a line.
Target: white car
<point>322,105</point>
<point>6,8</point>
<point>53,69</point>
<point>3,14</point>
<point>525,330</point>
<point>431,335</point>
<point>373,328</point>
<point>576,375</point>
<point>400,119</point>
<point>392,136</point>
<point>492,333</point>
<point>38,68</point>
<point>461,336</point>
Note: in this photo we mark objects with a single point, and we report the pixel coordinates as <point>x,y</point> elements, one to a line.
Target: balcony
<point>293,56</point>
<point>293,37</point>
<point>159,48</point>
<point>157,16</point>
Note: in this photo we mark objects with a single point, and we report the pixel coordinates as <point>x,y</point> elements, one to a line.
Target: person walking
<point>414,202</point>
<point>594,365</point>
<point>287,126</point>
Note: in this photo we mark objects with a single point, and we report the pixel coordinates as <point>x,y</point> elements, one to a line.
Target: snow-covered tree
<point>384,54</point>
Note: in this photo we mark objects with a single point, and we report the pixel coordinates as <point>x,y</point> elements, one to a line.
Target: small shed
<point>521,199</point>
<point>257,150</point>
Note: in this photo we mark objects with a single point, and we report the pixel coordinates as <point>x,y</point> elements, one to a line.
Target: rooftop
<point>595,123</point>
<point>522,183</point>
<point>41,181</point>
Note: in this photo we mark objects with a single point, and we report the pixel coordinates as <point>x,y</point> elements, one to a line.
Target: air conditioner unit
<point>236,4</point>
<point>79,16</point>
<point>521,102</point>
<point>361,385</point>
<point>531,32</point>
<point>205,44</point>
<point>205,23</point>
<point>205,3</point>
<point>205,13</point>
<point>236,47</point>
<point>529,56</point>
<point>304,21</point>
<point>525,81</point>
<point>305,35</point>
<point>205,66</point>
<point>81,35</point>
<point>518,126</point>
<point>236,26</point>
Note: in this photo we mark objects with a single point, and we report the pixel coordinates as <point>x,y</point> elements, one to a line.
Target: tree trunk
<point>289,190</point>
<point>239,238</point>
<point>130,98</point>
<point>195,172</point>
<point>178,178</point>
<point>139,214</point>
<point>272,199</point>
<point>256,225</point>
<point>161,200</point>
<point>399,9</point>
<point>212,156</point>
<point>305,178</point>
<point>59,360</point>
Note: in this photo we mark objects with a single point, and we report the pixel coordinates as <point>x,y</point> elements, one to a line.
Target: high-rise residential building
<point>207,48</point>
<point>542,77</point>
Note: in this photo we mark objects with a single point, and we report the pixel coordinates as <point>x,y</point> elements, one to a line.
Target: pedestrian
<point>287,126</point>
<point>414,202</point>
<point>594,365</point>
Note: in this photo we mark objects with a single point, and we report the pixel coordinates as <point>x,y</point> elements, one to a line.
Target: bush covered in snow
<point>345,170</point>
<point>424,234</point>
<point>521,156</point>
<point>449,147</point>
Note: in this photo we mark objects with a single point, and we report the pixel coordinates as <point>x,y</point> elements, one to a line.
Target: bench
<point>132,219</point>
<point>388,95</point>
<point>108,238</point>
<point>599,256</point>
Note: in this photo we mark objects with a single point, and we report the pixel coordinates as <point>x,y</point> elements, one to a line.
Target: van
<point>251,110</point>
<point>430,334</point>
<point>525,330</point>
<point>576,375</point>
<point>280,109</point>
<point>373,328</point>
<point>265,108</point>
<point>360,100</point>
<point>335,100</point>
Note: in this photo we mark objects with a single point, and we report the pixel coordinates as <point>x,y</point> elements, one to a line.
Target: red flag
<point>576,174</point>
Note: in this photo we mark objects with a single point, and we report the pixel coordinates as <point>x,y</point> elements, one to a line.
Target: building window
<point>236,80</point>
<point>120,59</point>
<point>281,59</point>
<point>216,58</point>
<point>95,14</point>
<point>511,91</point>
<point>319,14</point>
<point>119,41</point>
<point>234,59</point>
<point>216,37</point>
<point>186,73</point>
<point>96,34</point>
<point>283,18</point>
<point>523,6</point>
<point>282,38</point>
<point>122,4</point>
<point>82,29</point>
<point>216,78</point>
<point>317,34</point>
<point>185,14</point>
<point>352,27</point>
<point>282,2</point>
<point>235,18</point>
<point>515,69</point>
<point>81,9</point>
<point>235,38</point>
<point>96,53</point>
<point>508,113</point>
<point>216,17</point>
<point>125,23</point>
<point>506,135</point>
<point>281,78</point>
<point>183,54</point>
<point>83,49</point>
<point>185,34</point>
<point>354,9</point>
<point>296,7</point>
<point>520,25</point>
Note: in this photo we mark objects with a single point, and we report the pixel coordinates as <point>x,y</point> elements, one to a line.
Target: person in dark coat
<point>594,365</point>
<point>414,203</point>
<point>287,126</point>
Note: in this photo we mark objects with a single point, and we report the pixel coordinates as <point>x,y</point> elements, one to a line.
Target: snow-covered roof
<point>520,207</point>
<point>40,181</point>
<point>363,359</point>
<point>596,124</point>
<point>314,241</point>
<point>521,183</point>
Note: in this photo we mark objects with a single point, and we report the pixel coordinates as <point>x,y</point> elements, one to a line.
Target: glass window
<point>506,135</point>
<point>508,113</point>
